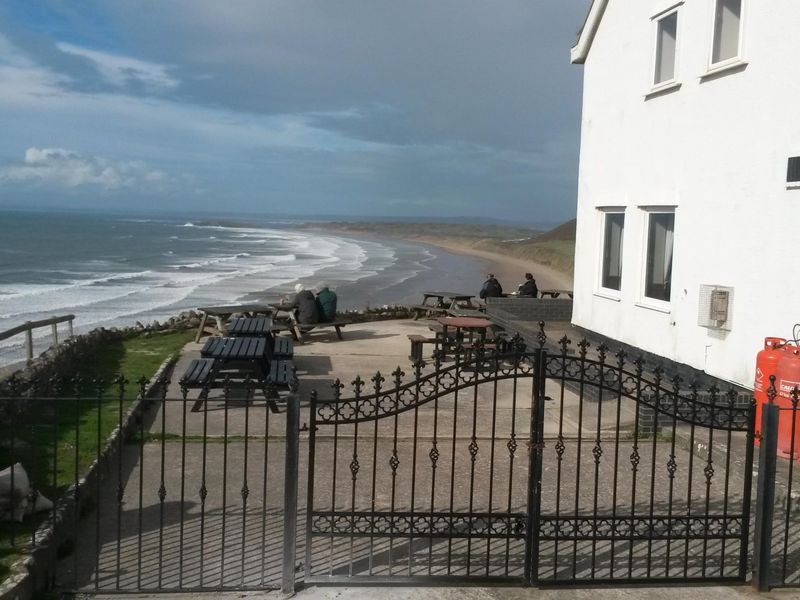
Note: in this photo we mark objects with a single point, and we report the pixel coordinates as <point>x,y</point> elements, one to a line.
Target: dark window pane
<point>659,256</point>
<point>793,174</point>
<point>612,251</point>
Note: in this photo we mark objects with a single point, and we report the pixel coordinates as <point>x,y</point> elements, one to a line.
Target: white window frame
<point>600,290</point>
<point>734,61</point>
<point>656,19</point>
<point>645,301</point>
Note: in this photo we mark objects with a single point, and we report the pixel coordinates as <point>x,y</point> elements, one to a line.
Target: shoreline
<point>510,270</point>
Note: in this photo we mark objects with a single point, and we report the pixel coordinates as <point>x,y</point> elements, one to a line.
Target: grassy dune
<point>554,248</point>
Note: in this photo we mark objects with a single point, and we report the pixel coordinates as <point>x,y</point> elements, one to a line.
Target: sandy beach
<point>510,271</point>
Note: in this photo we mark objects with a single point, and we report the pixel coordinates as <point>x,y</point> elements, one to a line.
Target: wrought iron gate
<point>531,468</point>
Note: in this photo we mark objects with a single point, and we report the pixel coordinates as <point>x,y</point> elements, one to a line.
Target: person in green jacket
<point>326,300</point>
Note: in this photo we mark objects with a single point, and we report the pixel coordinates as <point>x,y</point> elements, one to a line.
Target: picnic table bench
<point>238,362</point>
<point>337,324</point>
<point>221,314</point>
<point>439,303</point>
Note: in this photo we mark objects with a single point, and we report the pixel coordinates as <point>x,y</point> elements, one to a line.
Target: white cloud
<point>60,167</point>
<point>122,70</point>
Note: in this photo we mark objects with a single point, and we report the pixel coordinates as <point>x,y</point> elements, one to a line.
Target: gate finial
<point>541,337</point>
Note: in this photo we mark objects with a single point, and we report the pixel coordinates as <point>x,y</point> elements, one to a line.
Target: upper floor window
<point>658,276</point>
<point>612,251</point>
<point>727,31</point>
<point>666,48</point>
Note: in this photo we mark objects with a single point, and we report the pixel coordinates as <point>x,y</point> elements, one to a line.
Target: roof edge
<point>581,48</point>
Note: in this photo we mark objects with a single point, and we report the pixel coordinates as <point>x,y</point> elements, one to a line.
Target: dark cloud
<point>477,98</point>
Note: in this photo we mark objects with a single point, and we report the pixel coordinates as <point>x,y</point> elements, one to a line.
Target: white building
<point>689,197</point>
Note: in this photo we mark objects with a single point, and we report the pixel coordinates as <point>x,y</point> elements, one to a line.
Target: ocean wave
<point>32,290</point>
<point>210,262</point>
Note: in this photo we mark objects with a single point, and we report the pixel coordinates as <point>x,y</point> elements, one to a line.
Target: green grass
<point>558,254</point>
<point>57,440</point>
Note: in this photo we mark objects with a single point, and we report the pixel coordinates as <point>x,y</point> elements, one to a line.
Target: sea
<point>117,270</point>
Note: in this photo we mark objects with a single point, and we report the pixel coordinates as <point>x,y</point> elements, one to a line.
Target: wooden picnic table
<point>240,358</point>
<point>479,326</point>
<point>250,327</point>
<point>235,348</point>
<point>439,303</point>
<point>244,355</point>
<point>555,293</point>
<point>221,314</point>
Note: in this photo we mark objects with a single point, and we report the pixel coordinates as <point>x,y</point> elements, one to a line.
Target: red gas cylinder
<point>787,375</point>
<point>766,364</point>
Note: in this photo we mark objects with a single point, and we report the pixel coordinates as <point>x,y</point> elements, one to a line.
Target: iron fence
<point>527,467</point>
<point>777,546</point>
<point>422,480</point>
<point>148,495</point>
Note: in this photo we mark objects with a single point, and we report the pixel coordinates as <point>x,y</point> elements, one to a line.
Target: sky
<point>444,108</point>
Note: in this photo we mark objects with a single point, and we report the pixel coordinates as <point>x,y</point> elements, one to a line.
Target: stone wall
<point>531,309</point>
<point>68,358</point>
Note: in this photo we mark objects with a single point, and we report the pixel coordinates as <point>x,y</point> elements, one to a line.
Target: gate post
<point>765,491</point>
<point>291,474</point>
<point>535,455</point>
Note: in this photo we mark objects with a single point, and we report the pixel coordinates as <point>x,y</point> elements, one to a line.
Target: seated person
<point>326,299</point>
<point>306,311</point>
<point>491,288</point>
<point>528,289</point>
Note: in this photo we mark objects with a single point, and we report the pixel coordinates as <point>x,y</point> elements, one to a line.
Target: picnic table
<point>241,358</point>
<point>472,326</point>
<point>555,293</point>
<point>221,314</point>
<point>250,327</point>
<point>249,350</point>
<point>439,303</point>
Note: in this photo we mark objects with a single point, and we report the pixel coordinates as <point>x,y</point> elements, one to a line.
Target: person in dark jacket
<point>491,288</point>
<point>306,311</point>
<point>327,304</point>
<point>528,289</point>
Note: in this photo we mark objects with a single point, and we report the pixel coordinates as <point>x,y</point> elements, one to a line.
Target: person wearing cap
<point>528,288</point>
<point>326,299</point>
<point>307,311</point>
<point>491,288</point>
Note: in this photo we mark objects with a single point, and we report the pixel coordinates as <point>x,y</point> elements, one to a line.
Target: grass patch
<point>558,254</point>
<point>57,439</point>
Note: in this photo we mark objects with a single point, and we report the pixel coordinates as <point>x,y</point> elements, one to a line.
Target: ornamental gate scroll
<point>530,467</point>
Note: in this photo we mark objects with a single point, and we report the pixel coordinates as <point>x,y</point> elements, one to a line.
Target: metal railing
<point>28,327</point>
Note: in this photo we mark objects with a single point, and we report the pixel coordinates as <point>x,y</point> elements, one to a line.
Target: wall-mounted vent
<point>716,303</point>
<point>793,172</point>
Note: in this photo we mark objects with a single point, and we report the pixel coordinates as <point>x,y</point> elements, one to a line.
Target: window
<point>793,172</point>
<point>666,47</point>
<point>727,27</point>
<point>658,278</point>
<point>612,251</point>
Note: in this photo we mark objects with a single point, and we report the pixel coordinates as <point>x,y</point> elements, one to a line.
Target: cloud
<point>358,107</point>
<point>62,168</point>
<point>122,71</point>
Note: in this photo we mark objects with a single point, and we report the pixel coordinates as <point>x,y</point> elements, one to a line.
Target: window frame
<point>738,58</point>
<point>656,19</point>
<point>644,300</point>
<point>602,290</point>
